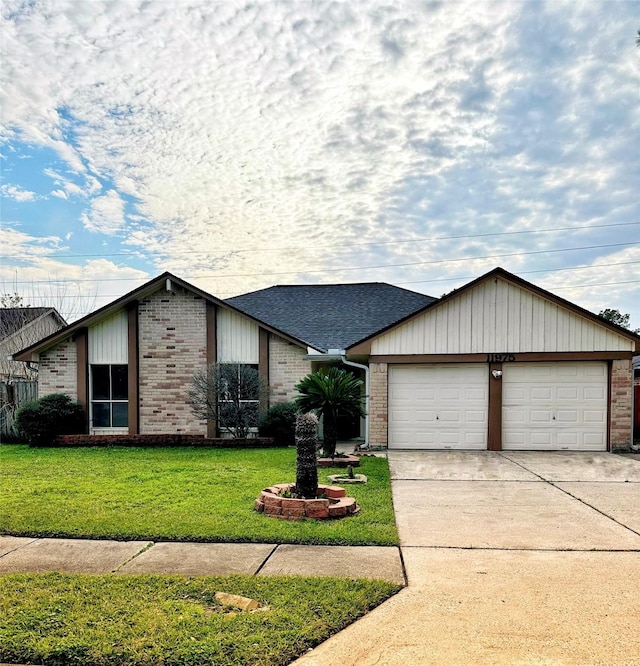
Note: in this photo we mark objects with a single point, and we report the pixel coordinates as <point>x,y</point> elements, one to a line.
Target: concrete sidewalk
<point>26,555</point>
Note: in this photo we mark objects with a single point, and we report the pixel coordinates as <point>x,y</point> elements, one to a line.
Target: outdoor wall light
<point>497,373</point>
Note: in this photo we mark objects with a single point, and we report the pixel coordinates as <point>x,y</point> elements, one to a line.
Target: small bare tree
<point>229,394</point>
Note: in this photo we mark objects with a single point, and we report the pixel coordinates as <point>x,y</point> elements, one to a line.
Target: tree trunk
<point>330,434</point>
<point>306,462</point>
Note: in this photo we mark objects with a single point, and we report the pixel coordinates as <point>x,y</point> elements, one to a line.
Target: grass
<point>175,494</point>
<point>171,620</point>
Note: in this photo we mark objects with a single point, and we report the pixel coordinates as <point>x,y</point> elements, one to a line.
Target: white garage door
<point>438,406</point>
<point>554,406</point>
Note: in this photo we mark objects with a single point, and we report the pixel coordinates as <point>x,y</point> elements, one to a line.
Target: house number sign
<point>500,358</point>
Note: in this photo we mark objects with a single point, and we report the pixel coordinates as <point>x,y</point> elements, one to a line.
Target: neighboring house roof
<point>13,319</point>
<point>362,346</point>
<point>20,327</point>
<point>331,316</point>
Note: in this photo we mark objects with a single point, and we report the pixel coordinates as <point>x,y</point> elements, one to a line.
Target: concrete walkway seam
<point>24,545</point>
<point>566,492</point>
<point>527,550</point>
<point>133,557</point>
<point>266,559</point>
<point>602,513</point>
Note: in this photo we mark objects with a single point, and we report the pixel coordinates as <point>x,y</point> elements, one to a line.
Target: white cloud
<point>106,215</point>
<point>60,194</point>
<point>16,193</point>
<point>266,142</point>
<point>34,273</point>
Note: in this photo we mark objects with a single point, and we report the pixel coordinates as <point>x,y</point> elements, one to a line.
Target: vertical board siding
<point>108,340</point>
<point>497,316</point>
<point>238,338</point>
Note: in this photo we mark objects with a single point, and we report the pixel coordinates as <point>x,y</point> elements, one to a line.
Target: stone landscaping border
<point>335,504</point>
<point>339,461</point>
<point>167,440</point>
<point>344,478</point>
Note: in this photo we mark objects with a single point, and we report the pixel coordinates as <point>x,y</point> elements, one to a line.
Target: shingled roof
<point>13,319</point>
<point>331,316</point>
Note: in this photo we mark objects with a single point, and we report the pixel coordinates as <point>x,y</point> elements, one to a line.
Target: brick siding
<point>287,367</point>
<point>57,370</point>
<point>378,405</point>
<point>621,396</point>
<point>172,343</point>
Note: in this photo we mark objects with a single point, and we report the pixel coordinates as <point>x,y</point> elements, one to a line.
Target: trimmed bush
<point>279,422</point>
<point>41,421</point>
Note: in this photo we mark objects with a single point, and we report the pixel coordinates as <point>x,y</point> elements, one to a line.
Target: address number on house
<point>500,358</point>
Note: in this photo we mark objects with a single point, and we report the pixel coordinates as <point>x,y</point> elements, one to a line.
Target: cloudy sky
<point>245,144</point>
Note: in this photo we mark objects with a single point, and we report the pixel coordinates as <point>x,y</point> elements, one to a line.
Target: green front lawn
<point>57,619</point>
<point>180,494</point>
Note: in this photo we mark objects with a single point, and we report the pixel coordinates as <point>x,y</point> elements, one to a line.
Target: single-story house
<point>497,364</point>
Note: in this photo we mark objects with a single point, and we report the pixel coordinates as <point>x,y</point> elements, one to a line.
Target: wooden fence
<point>12,396</point>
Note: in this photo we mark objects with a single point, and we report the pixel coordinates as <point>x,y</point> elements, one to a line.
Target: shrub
<point>279,422</point>
<point>331,393</point>
<point>41,421</point>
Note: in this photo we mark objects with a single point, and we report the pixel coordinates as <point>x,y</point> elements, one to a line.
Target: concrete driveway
<point>511,558</point>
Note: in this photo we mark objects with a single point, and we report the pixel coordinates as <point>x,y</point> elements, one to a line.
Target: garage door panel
<point>596,393</point>
<point>540,439</point>
<point>568,440</point>
<point>540,416</point>
<point>402,416</point>
<point>513,393</point>
<point>568,393</point>
<point>539,394</point>
<point>595,417</point>
<point>555,406</point>
<point>448,417</point>
<point>568,416</point>
<point>446,404</point>
<point>595,440</point>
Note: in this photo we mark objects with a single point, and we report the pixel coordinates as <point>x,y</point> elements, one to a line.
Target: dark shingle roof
<point>331,316</point>
<point>13,319</point>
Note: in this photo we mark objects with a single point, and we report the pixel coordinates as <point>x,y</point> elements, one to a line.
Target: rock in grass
<point>236,601</point>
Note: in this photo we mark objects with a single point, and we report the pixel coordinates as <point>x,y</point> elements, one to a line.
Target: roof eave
<point>364,346</point>
<point>26,354</point>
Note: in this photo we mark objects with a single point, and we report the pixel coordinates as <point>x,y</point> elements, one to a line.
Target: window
<point>109,396</point>
<point>238,397</point>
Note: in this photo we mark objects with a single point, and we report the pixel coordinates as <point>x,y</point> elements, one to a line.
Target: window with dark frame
<point>247,394</point>
<point>109,396</point>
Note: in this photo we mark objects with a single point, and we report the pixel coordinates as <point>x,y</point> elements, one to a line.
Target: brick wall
<point>172,343</point>
<point>287,367</point>
<point>378,405</point>
<point>621,392</point>
<point>57,370</point>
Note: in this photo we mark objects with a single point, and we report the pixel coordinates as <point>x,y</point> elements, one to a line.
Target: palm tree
<point>329,394</point>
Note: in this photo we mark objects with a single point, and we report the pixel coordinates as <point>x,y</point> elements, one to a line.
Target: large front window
<point>238,397</point>
<point>109,396</point>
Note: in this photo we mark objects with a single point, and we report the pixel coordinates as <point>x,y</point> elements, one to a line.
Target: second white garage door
<point>554,406</point>
<point>438,406</point>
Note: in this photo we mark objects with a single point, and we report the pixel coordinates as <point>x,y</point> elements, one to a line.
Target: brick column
<point>620,407</point>
<point>378,405</point>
